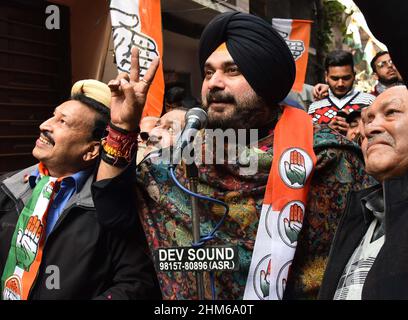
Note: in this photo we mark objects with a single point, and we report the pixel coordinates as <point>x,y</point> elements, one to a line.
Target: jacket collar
<point>396,189</point>
<point>20,188</point>
<point>373,203</point>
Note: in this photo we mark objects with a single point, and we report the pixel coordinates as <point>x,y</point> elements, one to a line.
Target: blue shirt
<point>69,185</point>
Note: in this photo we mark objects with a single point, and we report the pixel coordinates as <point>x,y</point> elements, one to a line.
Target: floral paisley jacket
<point>165,214</point>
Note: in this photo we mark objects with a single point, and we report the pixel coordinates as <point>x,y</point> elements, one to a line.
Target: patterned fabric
<point>165,214</point>
<point>350,286</point>
<point>323,111</point>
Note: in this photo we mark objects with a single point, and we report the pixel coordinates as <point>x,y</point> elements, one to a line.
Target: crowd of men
<point>322,216</point>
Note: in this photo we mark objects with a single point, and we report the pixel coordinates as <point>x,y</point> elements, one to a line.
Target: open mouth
<point>46,140</point>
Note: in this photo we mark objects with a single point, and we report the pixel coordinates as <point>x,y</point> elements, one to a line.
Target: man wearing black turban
<point>260,53</point>
<point>248,70</point>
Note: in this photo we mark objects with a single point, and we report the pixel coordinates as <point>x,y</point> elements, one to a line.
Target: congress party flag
<point>297,36</point>
<point>138,23</point>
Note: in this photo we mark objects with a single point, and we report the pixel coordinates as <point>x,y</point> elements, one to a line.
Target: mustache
<point>220,97</point>
<point>383,138</point>
<point>48,136</point>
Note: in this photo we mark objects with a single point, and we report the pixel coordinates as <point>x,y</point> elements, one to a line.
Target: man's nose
<point>217,81</point>
<point>46,125</point>
<point>373,127</point>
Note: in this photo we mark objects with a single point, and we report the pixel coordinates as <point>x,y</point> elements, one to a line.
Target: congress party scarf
<point>283,206</point>
<point>27,244</point>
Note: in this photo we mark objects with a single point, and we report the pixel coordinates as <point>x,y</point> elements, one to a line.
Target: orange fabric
<point>277,192</point>
<point>222,47</point>
<point>150,18</point>
<point>301,31</point>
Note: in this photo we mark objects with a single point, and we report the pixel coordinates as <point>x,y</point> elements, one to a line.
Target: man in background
<point>385,72</point>
<point>340,76</point>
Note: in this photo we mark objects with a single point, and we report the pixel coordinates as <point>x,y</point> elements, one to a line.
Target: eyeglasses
<point>382,63</point>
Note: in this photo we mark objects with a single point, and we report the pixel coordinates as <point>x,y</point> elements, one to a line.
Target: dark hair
<point>339,58</point>
<point>372,63</point>
<point>102,118</point>
<point>175,95</point>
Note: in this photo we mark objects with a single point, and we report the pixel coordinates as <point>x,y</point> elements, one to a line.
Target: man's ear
<point>93,151</point>
<point>325,77</point>
<point>375,76</point>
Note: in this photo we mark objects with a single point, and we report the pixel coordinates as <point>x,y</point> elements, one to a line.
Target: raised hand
<point>28,242</point>
<point>295,170</point>
<point>294,224</point>
<point>320,91</point>
<point>129,93</point>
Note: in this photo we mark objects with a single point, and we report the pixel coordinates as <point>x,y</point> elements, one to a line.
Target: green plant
<point>332,15</point>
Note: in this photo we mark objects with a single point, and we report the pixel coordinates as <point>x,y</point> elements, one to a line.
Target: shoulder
<point>338,159</point>
<point>363,98</point>
<point>325,137</point>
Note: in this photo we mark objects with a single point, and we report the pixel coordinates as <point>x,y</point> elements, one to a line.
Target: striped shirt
<point>323,111</point>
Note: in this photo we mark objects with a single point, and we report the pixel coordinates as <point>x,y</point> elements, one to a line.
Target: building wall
<point>90,31</point>
<point>181,55</point>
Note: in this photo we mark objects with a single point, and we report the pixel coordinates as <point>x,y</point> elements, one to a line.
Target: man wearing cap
<point>353,120</point>
<point>247,71</point>
<point>51,245</point>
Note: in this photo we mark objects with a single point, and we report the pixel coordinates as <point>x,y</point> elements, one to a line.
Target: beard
<point>388,81</point>
<point>249,112</point>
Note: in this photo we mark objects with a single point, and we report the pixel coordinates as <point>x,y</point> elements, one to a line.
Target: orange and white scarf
<point>283,208</point>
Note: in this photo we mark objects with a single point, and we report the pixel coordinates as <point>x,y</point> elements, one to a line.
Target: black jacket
<point>388,277</point>
<point>93,263</point>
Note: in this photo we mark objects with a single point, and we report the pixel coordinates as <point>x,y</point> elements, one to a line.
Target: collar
<point>373,205</point>
<point>341,102</point>
<point>381,87</point>
<point>78,179</point>
<point>18,186</point>
<point>396,189</point>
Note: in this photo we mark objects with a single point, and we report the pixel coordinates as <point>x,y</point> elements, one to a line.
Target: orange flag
<point>138,23</point>
<point>297,36</point>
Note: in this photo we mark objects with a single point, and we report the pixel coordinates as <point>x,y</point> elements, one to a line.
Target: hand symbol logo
<point>264,280</point>
<point>296,170</point>
<point>294,224</point>
<point>28,242</point>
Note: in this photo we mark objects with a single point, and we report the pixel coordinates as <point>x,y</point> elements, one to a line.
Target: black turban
<point>260,53</point>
